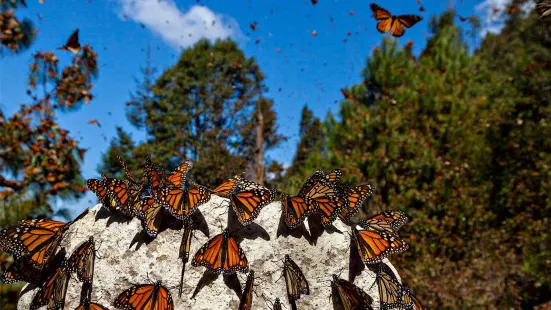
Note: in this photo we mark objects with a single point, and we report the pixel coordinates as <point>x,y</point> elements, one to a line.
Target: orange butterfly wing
<point>296,209</point>
<point>383,17</point>
<point>52,292</point>
<point>145,297</point>
<point>246,301</point>
<point>178,176</point>
<point>82,261</point>
<point>248,198</point>
<point>91,306</point>
<point>355,197</point>
<point>150,215</point>
<point>228,186</point>
<point>221,254</point>
<point>374,246</point>
<point>397,29</point>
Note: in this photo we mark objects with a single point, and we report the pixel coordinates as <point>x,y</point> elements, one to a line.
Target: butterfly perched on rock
<point>392,23</point>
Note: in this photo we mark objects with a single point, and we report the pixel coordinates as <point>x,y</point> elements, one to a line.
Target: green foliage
<point>200,109</point>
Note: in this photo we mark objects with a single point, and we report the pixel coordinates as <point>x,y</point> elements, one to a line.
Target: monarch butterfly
<point>248,198</point>
<point>294,279</point>
<point>395,24</point>
<point>72,44</point>
<point>124,196</point>
<point>227,187</point>
<point>355,197</point>
<point>82,261</point>
<point>145,297</point>
<point>388,221</point>
<point>377,241</point>
<point>52,292</point>
<point>220,254</point>
<point>38,239</point>
<point>149,213</point>
<point>543,8</point>
<point>178,176</point>
<point>324,190</point>
<point>349,295</point>
<point>296,209</point>
<point>87,305</point>
<point>20,270</point>
<point>246,301</point>
<point>184,251</point>
<point>181,203</point>
<point>390,289</point>
<point>98,188</point>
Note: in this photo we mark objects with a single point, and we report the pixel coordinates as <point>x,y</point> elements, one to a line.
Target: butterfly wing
<point>124,196</point>
<point>355,196</point>
<point>389,289</point>
<point>150,215</point>
<point>52,292</point>
<point>389,221</point>
<point>383,17</point>
<point>295,280</point>
<point>37,238</point>
<point>329,201</point>
<point>98,188</point>
<point>350,296</point>
<point>248,199</point>
<point>210,254</point>
<point>196,196</point>
<point>183,254</point>
<point>312,180</point>
<point>82,261</point>
<point>296,209</point>
<point>126,170</point>
<point>178,176</point>
<point>224,189</point>
<point>246,301</point>
<point>21,270</point>
<point>374,246</point>
<point>73,40</point>
<point>145,297</point>
<point>234,258</point>
<point>408,20</point>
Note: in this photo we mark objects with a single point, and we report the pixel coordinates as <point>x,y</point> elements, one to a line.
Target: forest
<point>457,136</point>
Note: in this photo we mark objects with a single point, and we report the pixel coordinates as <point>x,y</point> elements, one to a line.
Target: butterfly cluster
<point>157,198</point>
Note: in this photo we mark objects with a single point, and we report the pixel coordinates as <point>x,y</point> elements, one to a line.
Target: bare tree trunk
<point>259,152</point>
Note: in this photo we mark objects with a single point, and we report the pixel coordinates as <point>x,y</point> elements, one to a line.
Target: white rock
<point>127,257</point>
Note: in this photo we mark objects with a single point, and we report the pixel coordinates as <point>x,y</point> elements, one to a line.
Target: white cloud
<point>493,21</point>
<point>179,29</point>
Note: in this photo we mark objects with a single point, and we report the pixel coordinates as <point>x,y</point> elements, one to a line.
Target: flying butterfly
<point>246,301</point>
<point>355,197</point>
<point>183,254</point>
<point>543,8</point>
<point>145,297</point>
<point>295,280</point>
<point>392,23</point>
<point>72,44</point>
<point>349,296</point>
<point>221,254</point>
<point>376,238</point>
<point>82,261</point>
<point>87,305</point>
<point>248,198</point>
<point>52,291</point>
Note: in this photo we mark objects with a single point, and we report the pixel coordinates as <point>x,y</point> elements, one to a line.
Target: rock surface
<point>127,256</point>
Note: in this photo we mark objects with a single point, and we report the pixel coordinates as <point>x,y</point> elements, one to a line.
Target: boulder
<point>127,256</point>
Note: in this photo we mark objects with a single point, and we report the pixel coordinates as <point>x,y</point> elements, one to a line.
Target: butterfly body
<point>386,22</point>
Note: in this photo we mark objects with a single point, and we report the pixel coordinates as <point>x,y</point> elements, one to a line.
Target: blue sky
<point>307,70</point>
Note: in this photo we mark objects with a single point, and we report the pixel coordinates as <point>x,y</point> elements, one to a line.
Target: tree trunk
<point>259,152</point>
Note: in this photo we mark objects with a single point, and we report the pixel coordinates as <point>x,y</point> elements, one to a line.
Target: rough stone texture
<point>128,256</point>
